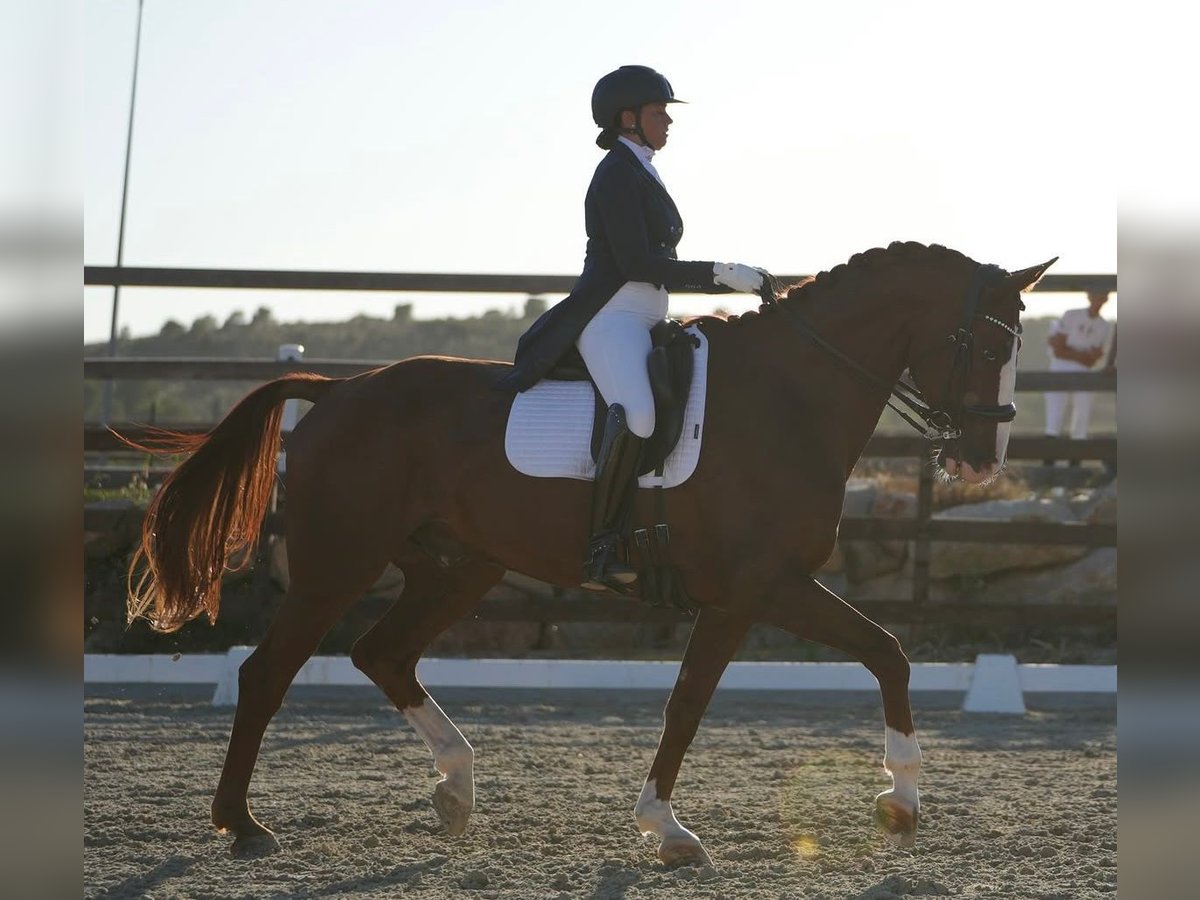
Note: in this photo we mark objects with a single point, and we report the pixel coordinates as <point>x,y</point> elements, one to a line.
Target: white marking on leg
<point>452,755</point>
<point>655,817</point>
<point>902,760</point>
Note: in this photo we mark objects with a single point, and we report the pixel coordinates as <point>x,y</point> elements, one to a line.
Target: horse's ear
<point>1027,278</point>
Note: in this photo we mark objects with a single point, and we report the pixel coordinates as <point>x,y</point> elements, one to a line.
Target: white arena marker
<point>995,685</point>
<point>226,693</point>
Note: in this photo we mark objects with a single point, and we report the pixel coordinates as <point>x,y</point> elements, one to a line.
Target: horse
<point>390,465</point>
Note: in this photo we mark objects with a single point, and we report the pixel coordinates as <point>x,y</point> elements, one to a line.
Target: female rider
<point>630,266</point>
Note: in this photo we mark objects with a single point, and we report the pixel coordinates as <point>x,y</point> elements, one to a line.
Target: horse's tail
<point>211,506</point>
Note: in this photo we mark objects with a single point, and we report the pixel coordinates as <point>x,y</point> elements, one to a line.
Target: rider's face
<point>655,123</point>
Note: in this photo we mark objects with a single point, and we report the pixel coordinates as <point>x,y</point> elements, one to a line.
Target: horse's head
<point>965,365</point>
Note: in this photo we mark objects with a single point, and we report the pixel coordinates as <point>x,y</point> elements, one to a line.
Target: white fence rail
<point>993,683</point>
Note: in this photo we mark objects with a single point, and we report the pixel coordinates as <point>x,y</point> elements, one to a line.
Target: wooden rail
<point>421,282</point>
<point>98,438</point>
<point>200,368</point>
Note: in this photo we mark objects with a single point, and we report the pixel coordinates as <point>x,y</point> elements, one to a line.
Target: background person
<point>1077,343</point>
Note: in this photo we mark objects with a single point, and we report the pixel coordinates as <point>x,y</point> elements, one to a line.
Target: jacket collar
<point>645,154</point>
<point>630,158</point>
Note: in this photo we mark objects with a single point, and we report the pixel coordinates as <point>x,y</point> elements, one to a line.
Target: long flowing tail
<point>211,506</point>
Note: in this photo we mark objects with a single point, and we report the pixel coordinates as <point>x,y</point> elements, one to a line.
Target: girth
<point>670,366</point>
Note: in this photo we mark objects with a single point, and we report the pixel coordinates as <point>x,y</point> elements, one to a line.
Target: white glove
<point>743,279</point>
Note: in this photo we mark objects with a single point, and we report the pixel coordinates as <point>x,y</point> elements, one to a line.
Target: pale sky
<point>457,137</point>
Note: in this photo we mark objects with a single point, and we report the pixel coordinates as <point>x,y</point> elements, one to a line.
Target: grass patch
<point>137,491</point>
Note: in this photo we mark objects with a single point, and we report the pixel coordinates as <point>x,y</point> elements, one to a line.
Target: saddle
<point>670,367</point>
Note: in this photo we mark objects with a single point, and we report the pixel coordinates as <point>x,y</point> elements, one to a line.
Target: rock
<point>1103,508</point>
<point>867,559</point>
<point>860,497</point>
<point>948,560</point>
<point>898,586</point>
<point>891,505</point>
<point>1090,580</point>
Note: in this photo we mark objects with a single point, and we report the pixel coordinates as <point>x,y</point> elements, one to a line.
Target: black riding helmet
<point>629,87</point>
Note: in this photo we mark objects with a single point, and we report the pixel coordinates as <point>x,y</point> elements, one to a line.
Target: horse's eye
<point>989,355</point>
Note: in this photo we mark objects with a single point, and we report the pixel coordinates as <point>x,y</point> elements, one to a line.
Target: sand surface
<point>779,787</point>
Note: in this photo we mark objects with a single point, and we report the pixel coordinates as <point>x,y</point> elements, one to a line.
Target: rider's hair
<point>607,139</point>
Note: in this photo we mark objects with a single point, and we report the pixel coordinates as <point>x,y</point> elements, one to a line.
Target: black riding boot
<point>616,469</point>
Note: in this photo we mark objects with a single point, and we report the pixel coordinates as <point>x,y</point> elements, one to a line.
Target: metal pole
<point>106,411</point>
<point>291,408</point>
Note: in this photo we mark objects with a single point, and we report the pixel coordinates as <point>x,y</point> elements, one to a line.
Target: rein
<point>938,423</point>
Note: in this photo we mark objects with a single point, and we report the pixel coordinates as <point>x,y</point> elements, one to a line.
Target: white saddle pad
<point>549,431</point>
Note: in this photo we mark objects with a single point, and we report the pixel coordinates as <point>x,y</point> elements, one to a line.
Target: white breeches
<point>615,345</point>
<point>1081,412</point>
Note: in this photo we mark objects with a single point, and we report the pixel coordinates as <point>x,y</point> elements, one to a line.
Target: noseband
<point>939,424</point>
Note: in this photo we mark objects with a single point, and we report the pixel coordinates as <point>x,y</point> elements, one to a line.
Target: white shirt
<point>645,154</point>
<point>1084,332</point>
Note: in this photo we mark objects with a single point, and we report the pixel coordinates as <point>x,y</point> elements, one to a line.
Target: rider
<point>630,265</point>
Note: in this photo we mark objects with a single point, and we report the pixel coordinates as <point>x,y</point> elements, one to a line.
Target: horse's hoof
<point>897,818</point>
<point>256,844</point>
<point>679,852</point>
<point>451,810</point>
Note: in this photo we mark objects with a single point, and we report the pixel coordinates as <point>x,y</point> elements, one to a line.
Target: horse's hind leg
<point>324,583</point>
<point>809,611</point>
<point>433,599</point>
<point>714,639</point>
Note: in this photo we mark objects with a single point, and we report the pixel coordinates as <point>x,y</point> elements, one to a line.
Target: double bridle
<point>939,424</point>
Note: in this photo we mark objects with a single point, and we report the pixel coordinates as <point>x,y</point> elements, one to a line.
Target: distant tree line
<point>492,335</point>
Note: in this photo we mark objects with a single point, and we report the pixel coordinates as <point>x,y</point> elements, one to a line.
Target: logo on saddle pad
<point>550,427</point>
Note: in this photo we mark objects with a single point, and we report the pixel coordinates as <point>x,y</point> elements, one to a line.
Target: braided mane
<point>867,259</point>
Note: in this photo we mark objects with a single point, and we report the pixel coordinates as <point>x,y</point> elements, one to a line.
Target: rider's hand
<point>743,279</point>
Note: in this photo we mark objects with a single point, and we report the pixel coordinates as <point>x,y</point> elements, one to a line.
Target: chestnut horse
<point>391,463</point>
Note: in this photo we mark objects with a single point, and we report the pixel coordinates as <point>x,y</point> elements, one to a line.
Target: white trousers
<point>1056,403</point>
<point>1081,412</point>
<point>615,345</point>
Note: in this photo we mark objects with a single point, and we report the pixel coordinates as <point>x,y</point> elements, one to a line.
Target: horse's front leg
<point>810,611</point>
<point>715,638</point>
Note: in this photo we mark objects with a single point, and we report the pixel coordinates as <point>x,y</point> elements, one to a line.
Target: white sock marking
<point>902,760</point>
<point>655,817</point>
<point>452,755</point>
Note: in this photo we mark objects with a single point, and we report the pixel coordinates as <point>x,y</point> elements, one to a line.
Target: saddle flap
<point>670,366</point>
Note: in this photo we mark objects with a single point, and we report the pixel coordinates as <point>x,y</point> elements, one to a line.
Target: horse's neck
<point>864,316</point>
